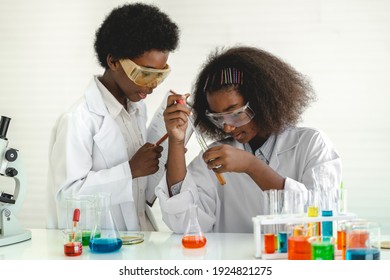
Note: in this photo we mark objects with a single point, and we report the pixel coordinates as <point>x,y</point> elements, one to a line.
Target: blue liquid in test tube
<point>282,237</point>
<point>327,226</point>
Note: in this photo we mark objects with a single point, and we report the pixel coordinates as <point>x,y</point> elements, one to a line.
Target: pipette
<point>76,218</point>
<point>200,139</point>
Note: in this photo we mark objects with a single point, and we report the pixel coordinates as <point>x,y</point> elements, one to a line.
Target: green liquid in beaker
<point>86,236</point>
<point>322,251</point>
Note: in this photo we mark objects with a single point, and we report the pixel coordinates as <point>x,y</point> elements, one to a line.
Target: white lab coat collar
<point>285,141</point>
<point>96,103</point>
<point>94,99</point>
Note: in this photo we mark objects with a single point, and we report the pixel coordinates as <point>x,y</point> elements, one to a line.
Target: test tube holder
<point>263,220</point>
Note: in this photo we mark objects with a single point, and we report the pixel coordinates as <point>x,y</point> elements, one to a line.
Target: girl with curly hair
<point>249,102</point>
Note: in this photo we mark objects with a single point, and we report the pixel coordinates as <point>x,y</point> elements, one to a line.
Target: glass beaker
<point>363,240</point>
<point>72,242</point>
<point>87,218</point>
<point>322,247</point>
<point>193,236</point>
<point>298,246</point>
<point>105,236</point>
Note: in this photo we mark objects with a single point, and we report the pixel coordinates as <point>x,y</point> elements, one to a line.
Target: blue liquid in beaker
<point>105,245</point>
<point>363,254</point>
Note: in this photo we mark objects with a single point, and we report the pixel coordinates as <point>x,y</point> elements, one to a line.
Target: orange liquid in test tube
<point>342,242</point>
<point>220,178</point>
<point>269,243</point>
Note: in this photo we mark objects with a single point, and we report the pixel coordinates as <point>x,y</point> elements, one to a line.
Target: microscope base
<point>12,239</point>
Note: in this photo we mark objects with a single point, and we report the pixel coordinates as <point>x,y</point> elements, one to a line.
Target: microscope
<point>11,166</point>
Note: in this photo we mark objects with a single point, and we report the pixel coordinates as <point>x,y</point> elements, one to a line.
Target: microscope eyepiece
<point>4,123</point>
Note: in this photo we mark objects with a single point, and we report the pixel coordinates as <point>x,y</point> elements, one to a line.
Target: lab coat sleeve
<point>72,162</point>
<point>315,151</point>
<point>201,192</point>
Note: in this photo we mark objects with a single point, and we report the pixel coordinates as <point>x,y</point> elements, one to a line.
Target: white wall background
<point>343,46</point>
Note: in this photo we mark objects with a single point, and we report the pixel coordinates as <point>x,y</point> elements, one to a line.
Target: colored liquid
<point>363,254</point>
<point>327,226</point>
<point>298,248</point>
<point>269,243</point>
<point>193,241</point>
<point>322,251</point>
<point>282,237</point>
<point>342,242</point>
<point>86,236</point>
<point>299,230</point>
<point>314,229</point>
<point>358,239</point>
<point>73,249</point>
<point>105,245</point>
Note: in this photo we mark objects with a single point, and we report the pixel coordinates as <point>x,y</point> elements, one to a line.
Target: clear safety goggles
<point>144,76</point>
<point>236,118</point>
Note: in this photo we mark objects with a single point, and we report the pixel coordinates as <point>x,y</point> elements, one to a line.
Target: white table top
<point>48,245</point>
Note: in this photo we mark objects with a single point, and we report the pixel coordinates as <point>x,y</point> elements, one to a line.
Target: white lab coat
<point>88,155</point>
<point>230,208</point>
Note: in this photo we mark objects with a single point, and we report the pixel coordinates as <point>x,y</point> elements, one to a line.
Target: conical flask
<point>193,236</point>
<point>105,236</point>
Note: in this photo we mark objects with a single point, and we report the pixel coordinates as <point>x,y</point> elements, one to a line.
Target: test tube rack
<point>263,220</point>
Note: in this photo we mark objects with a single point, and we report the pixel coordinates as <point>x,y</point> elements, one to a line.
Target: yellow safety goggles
<point>144,76</point>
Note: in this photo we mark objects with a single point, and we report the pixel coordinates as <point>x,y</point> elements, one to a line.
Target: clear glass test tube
<point>203,145</point>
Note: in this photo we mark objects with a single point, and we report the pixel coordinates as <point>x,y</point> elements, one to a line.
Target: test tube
<point>312,211</point>
<point>327,211</point>
<point>342,237</point>
<point>204,147</point>
<point>201,141</point>
<point>282,228</point>
<point>271,243</point>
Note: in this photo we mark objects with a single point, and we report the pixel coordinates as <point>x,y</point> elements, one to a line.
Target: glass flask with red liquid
<point>193,236</point>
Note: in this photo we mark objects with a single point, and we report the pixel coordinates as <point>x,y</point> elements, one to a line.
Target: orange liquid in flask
<point>193,241</point>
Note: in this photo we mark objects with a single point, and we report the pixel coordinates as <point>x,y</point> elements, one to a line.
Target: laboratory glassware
<point>72,242</point>
<point>342,237</point>
<point>201,141</point>
<point>363,240</point>
<point>132,238</point>
<point>298,246</point>
<point>271,242</point>
<point>312,211</point>
<point>193,236</point>
<point>322,247</point>
<point>87,215</point>
<point>105,236</point>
